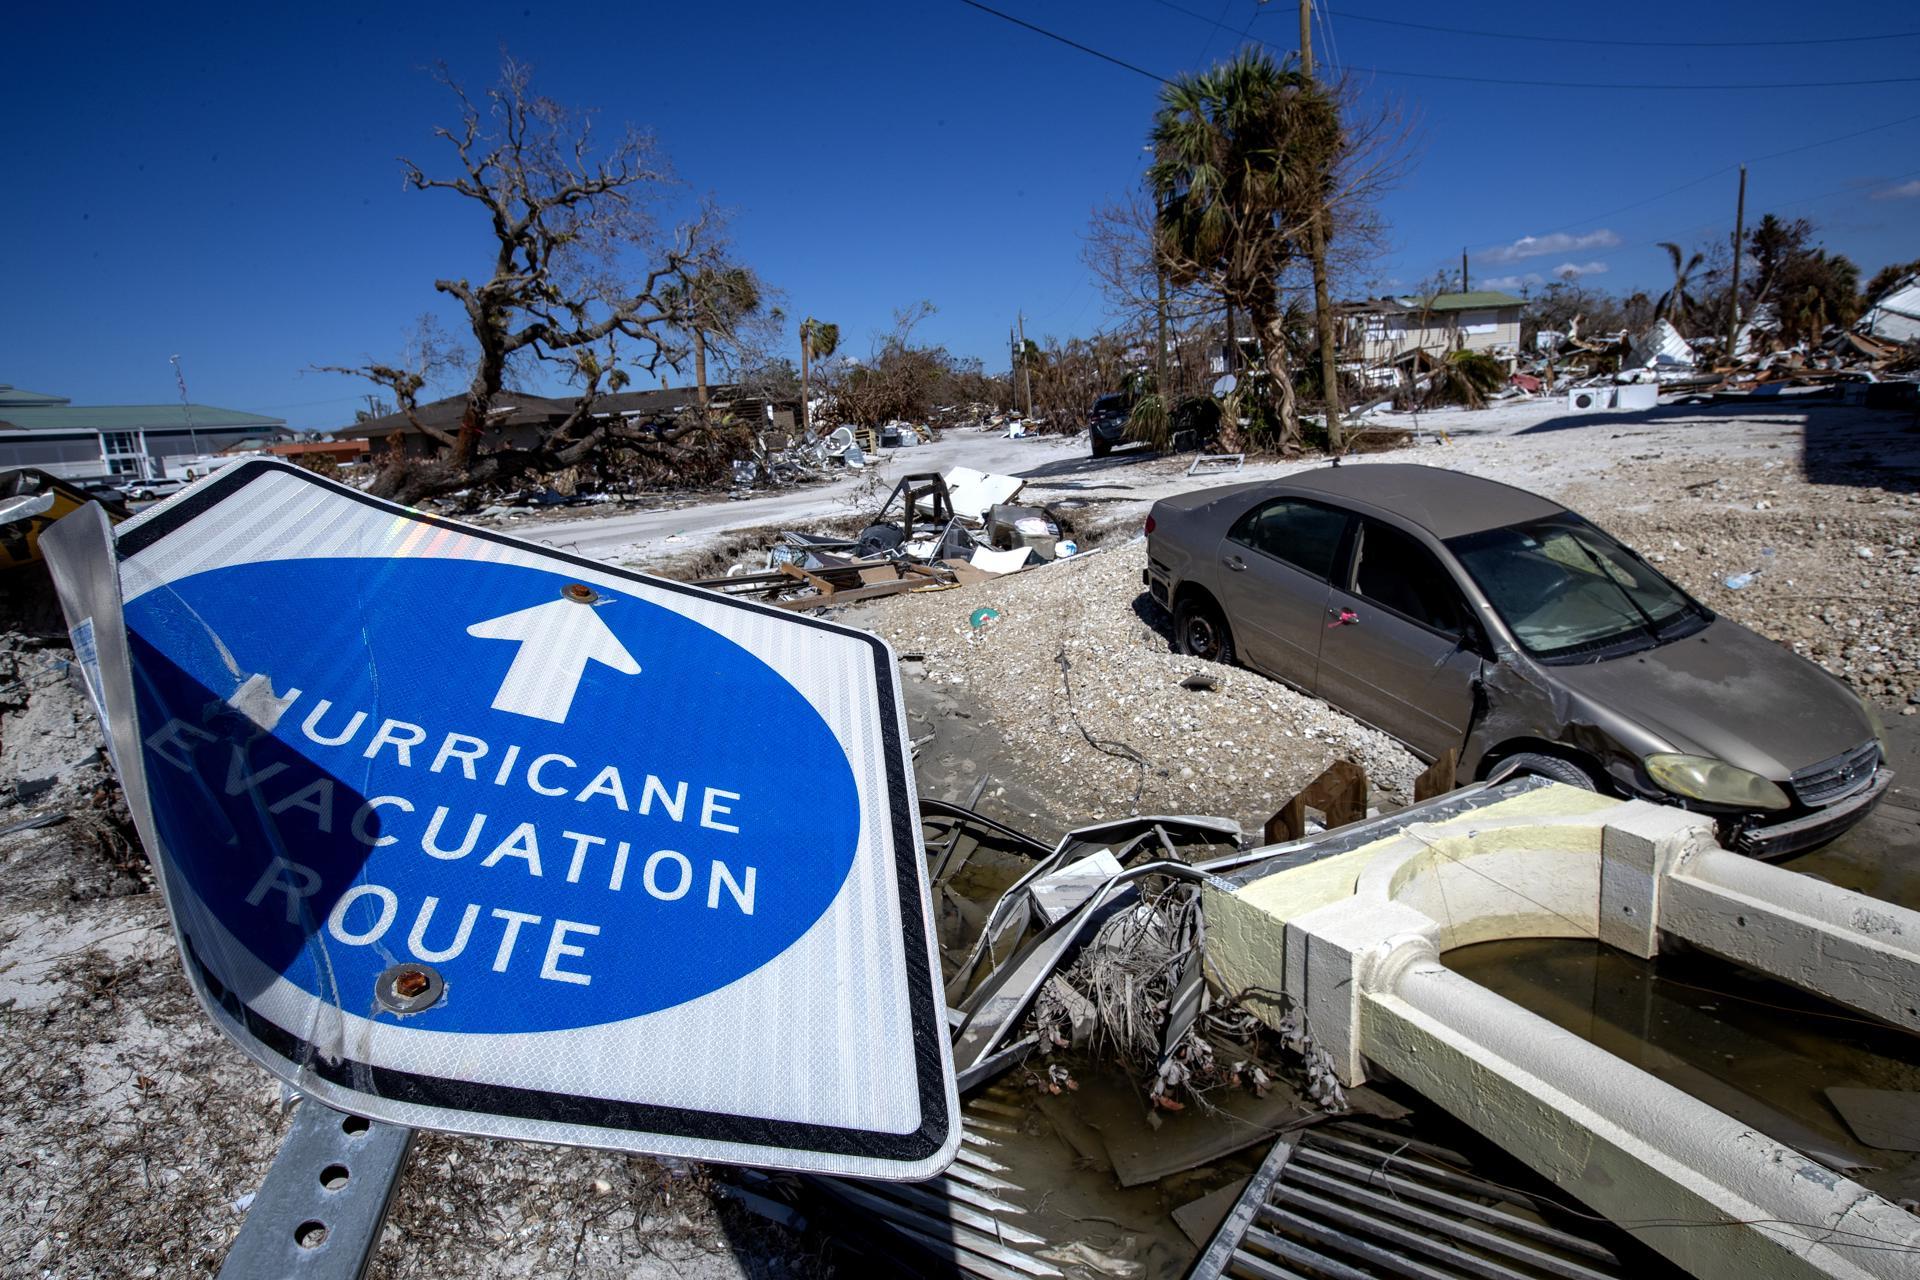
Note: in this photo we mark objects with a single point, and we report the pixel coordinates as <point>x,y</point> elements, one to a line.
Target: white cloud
<point>1531,280</point>
<point>1905,191</point>
<point>1558,242</point>
<point>1574,270</point>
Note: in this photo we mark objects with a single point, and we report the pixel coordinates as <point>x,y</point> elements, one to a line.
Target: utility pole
<point>1160,311</point>
<point>1464,286</point>
<point>1317,249</point>
<point>1026,373</point>
<point>806,359</point>
<point>186,410</point>
<point>1733,293</point>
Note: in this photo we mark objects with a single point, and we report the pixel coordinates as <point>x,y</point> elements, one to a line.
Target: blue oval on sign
<point>575,812</point>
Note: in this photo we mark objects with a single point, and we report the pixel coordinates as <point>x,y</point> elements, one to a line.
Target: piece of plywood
<point>1886,1119</point>
<point>1141,1152</point>
<point>1200,1219</point>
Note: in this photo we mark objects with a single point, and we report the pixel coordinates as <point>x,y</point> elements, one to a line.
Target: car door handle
<point>1234,563</point>
<point>1342,618</point>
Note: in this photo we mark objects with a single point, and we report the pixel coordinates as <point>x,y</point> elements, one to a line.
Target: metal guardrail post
<point>319,1213</point>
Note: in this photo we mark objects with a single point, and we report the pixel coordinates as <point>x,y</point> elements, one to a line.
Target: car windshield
<point>1567,590</point>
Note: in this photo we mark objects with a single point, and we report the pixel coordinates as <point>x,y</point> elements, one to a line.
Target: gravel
<point>1113,731</point>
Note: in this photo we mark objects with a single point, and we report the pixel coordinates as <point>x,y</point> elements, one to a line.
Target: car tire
<point>1200,631</point>
<point>1558,768</point>
<point>1101,448</point>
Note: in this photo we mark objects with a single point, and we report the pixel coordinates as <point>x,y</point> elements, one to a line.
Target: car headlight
<point>1715,782</point>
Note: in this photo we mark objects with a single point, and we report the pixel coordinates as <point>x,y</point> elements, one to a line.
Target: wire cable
<point>1628,44</point>
<point>1726,169</point>
<point>1072,44</point>
<point>1644,85</point>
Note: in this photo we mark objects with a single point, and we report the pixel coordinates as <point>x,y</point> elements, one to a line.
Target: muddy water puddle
<point>1762,1052</point>
<point>1057,1151</point>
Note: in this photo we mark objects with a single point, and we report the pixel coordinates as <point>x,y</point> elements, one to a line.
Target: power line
<point>1628,44</point>
<point>1072,44</point>
<point>1719,225</point>
<point>1511,82</point>
<point>1636,85</point>
<point>1327,40</point>
<point>1138,70</point>
<point>1726,169</point>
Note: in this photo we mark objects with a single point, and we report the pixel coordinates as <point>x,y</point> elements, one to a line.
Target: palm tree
<point>1242,161</point>
<point>818,341</point>
<point>710,305</point>
<point>1676,302</point>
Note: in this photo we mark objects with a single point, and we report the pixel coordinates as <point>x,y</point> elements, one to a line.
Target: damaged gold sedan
<point>1467,616</point>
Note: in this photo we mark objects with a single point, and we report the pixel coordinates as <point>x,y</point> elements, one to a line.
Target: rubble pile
<point>933,531</point>
<point>1075,667</point>
<point>1876,364</point>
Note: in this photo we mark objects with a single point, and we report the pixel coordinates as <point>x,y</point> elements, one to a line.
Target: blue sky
<point>223,185</point>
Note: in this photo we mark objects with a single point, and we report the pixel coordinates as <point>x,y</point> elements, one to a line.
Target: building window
<point>120,442</point>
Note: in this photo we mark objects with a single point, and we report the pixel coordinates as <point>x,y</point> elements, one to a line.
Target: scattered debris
<point>49,819</point>
<point>1216,464</point>
<point>933,531</point>
<point>31,500</point>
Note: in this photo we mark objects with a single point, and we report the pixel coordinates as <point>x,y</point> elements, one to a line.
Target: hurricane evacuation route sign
<point>463,833</point>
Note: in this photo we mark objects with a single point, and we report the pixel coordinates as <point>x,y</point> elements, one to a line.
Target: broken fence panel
<point>1216,464</point>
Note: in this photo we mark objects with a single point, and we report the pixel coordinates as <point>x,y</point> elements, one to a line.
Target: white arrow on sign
<point>557,641</point>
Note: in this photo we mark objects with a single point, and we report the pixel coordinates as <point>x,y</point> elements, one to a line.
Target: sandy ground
<point>135,1133</point>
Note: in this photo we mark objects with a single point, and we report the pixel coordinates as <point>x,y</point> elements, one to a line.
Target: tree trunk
<point>806,361</point>
<point>700,369</point>
<point>1323,327</point>
<point>1271,324</point>
<point>488,374</point>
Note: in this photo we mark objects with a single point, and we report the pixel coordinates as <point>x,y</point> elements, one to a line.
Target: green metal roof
<point>133,417</point>
<point>11,396</point>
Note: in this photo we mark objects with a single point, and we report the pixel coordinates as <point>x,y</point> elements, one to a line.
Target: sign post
<point>464,833</point>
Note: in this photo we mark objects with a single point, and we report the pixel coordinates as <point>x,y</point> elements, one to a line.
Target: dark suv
<point>1107,423</point>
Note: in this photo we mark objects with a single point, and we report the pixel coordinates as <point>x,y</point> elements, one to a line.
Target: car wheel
<point>1101,448</point>
<point>1558,768</point>
<point>1199,631</point>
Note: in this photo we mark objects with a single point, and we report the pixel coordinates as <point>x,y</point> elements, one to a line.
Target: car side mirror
<point>1473,640</point>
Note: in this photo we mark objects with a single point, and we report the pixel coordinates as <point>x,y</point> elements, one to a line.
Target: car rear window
<point>1303,534</point>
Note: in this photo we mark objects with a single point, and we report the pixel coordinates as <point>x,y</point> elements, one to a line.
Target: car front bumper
<point>1796,835</point>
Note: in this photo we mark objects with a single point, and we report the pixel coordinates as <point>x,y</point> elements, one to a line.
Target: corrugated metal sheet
<point>1896,317</point>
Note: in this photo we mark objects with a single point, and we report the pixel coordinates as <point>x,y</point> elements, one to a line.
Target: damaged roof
<point>1444,503</point>
<point>510,408</point>
<point>1473,300</point>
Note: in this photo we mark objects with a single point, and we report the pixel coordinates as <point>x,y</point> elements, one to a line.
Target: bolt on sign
<point>464,833</point>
